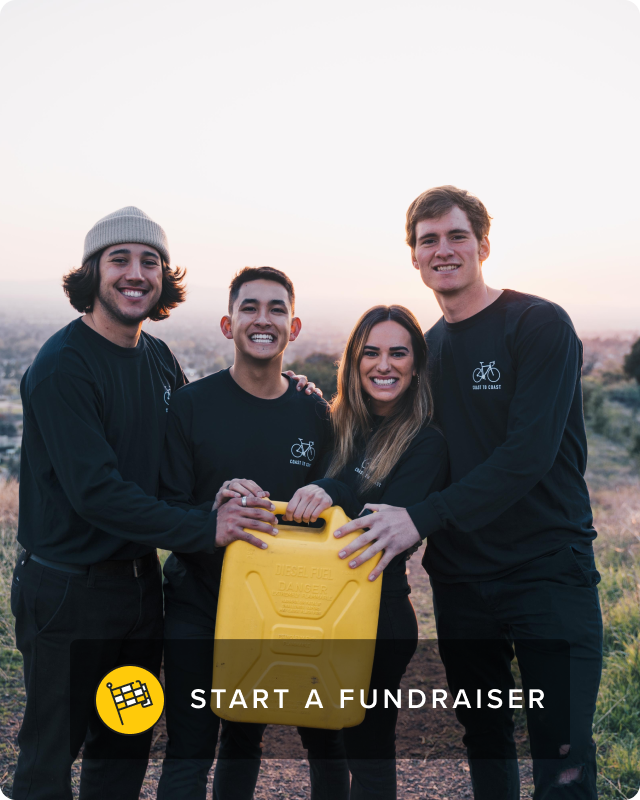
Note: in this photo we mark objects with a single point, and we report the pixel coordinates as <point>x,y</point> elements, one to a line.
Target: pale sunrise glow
<point>296,134</point>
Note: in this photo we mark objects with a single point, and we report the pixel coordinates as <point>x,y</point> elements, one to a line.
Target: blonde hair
<point>350,414</point>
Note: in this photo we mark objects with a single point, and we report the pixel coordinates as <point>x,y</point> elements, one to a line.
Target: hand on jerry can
<point>390,532</point>
<point>307,504</point>
<point>295,617</point>
<point>236,516</point>
<point>237,487</point>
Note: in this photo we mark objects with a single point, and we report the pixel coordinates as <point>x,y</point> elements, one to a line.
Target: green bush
<point>626,393</point>
<point>595,412</point>
<point>632,362</point>
<point>612,412</point>
<point>634,447</point>
<point>321,369</point>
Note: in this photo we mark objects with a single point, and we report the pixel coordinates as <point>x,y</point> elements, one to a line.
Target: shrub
<point>595,412</point>
<point>632,362</point>
<point>321,369</point>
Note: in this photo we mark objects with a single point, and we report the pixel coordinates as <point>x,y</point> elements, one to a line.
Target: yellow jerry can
<point>295,629</point>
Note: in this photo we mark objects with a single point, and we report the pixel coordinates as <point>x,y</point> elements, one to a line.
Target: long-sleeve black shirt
<point>215,432</point>
<point>94,421</point>
<point>422,469</point>
<point>508,398</point>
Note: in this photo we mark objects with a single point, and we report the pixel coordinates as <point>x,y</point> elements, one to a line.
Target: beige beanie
<point>126,225</point>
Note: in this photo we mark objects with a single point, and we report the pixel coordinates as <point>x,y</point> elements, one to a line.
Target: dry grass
<point>617,723</point>
<point>11,685</point>
<point>8,503</point>
<point>8,548</point>
<point>617,515</point>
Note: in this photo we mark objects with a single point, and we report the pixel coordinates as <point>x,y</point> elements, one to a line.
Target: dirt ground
<point>431,763</point>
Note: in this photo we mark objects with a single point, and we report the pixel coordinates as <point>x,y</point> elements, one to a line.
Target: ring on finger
<point>244,500</point>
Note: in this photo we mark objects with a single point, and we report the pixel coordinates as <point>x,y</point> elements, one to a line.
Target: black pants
<point>548,613</point>
<point>193,732</point>
<point>371,746</point>
<point>112,622</point>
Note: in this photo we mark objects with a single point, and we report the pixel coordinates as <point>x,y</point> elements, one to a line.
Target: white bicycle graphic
<point>485,371</point>
<point>303,450</point>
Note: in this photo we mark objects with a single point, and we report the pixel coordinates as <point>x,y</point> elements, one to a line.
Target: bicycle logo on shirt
<point>486,372</point>
<point>303,450</point>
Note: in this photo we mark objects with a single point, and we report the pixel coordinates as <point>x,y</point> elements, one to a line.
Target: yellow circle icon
<point>129,700</point>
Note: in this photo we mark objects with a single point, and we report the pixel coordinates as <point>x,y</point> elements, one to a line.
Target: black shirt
<point>508,398</point>
<point>421,469</point>
<point>216,431</point>
<point>94,421</point>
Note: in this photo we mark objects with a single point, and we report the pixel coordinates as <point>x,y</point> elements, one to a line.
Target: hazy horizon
<point>45,301</point>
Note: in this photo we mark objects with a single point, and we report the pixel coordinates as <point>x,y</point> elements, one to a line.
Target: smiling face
<point>386,366</point>
<point>448,254</point>
<point>130,282</point>
<point>261,323</point>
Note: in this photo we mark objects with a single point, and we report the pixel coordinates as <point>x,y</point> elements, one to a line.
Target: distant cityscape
<point>201,349</point>
<point>199,346</point>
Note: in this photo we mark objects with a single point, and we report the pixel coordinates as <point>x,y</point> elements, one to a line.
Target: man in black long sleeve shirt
<point>516,436</point>
<point>95,407</point>
<point>95,414</point>
<point>256,440</point>
<point>249,423</point>
<point>509,540</point>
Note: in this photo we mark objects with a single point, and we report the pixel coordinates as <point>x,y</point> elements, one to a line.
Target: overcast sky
<point>296,134</point>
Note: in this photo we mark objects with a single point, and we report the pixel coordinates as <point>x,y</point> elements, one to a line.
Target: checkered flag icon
<point>129,695</point>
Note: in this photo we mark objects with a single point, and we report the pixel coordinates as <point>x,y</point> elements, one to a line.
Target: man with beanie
<point>95,408</point>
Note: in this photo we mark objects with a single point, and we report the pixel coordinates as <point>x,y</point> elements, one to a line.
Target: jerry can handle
<point>326,515</point>
<point>281,506</point>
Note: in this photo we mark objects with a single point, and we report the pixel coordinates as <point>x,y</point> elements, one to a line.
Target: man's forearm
<point>425,516</point>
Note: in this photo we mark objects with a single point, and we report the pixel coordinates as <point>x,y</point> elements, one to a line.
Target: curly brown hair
<point>81,287</point>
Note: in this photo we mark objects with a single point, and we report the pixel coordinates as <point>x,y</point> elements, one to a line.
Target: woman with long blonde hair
<point>385,451</point>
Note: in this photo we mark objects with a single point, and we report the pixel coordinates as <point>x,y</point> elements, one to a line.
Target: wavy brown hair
<point>81,287</point>
<point>351,416</point>
<point>436,202</point>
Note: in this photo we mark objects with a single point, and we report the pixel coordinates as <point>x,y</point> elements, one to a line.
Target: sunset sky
<point>296,134</point>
